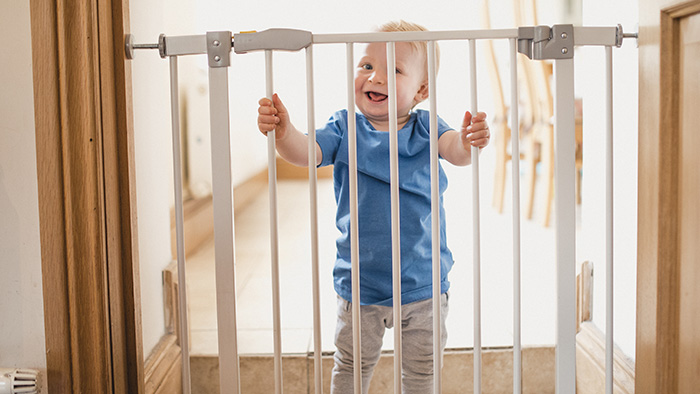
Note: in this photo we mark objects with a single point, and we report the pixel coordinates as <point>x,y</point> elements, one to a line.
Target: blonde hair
<point>420,46</point>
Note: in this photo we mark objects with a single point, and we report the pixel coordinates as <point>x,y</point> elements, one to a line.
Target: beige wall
<point>21,304</point>
<point>153,154</point>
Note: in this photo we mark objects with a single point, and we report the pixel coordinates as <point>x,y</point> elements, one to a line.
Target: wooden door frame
<point>87,203</point>
<point>658,269</point>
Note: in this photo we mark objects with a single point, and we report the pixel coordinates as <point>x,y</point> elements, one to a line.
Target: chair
<point>536,125</point>
<point>532,128</point>
<point>540,145</point>
<point>498,121</point>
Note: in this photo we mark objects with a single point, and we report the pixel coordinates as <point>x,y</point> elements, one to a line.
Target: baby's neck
<point>383,125</point>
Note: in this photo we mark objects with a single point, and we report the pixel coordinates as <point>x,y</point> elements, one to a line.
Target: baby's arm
<point>292,144</point>
<point>455,146</point>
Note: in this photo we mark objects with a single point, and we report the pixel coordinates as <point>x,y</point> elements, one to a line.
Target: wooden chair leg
<point>579,165</point>
<point>579,175</point>
<point>531,160</point>
<point>502,157</point>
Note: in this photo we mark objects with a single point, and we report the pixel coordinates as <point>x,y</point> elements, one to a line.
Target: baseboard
<point>590,364</point>
<point>584,294</point>
<point>198,213</point>
<point>163,369</point>
<point>171,301</point>
<point>590,346</point>
<point>248,191</point>
<point>198,227</point>
<point>286,170</point>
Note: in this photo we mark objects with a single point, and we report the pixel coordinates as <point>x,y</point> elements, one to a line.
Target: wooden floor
<point>253,283</point>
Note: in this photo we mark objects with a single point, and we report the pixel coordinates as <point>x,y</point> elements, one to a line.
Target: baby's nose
<point>377,77</point>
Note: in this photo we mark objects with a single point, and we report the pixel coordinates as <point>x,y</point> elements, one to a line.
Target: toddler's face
<point>371,83</point>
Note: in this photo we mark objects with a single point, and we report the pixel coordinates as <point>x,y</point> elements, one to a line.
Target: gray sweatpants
<point>417,340</point>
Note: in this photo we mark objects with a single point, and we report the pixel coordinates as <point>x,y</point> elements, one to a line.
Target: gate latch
<point>273,39</point>
<point>543,42</point>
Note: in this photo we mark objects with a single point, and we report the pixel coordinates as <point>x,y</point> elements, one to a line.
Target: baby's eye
<point>398,71</point>
<point>366,66</point>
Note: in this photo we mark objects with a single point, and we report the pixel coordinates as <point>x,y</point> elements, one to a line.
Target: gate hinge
<point>543,42</point>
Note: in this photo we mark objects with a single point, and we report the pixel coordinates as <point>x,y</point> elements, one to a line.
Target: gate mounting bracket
<point>219,48</point>
<point>543,42</point>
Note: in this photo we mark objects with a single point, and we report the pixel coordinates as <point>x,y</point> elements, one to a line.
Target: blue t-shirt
<point>374,208</point>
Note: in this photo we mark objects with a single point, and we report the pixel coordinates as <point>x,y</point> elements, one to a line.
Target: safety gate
<point>539,42</point>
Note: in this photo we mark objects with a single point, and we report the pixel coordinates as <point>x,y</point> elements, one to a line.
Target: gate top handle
<point>272,39</point>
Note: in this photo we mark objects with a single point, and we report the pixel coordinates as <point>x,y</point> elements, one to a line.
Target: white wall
<point>590,77</point>
<point>22,343</point>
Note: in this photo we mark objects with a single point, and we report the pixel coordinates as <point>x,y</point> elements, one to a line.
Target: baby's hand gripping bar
<point>273,39</point>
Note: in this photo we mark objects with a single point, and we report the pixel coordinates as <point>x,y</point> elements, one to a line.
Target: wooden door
<point>668,302</point>
<point>87,211</point>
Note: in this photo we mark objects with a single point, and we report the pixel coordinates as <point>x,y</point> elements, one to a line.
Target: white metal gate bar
<point>354,223</point>
<point>609,337</point>
<point>179,223</point>
<point>435,216</point>
<point>515,153</point>
<point>313,216</point>
<point>476,233</point>
<point>395,213</point>
<point>215,45</point>
<point>274,237</point>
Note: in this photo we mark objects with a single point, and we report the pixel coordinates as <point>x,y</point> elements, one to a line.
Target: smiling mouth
<point>376,97</point>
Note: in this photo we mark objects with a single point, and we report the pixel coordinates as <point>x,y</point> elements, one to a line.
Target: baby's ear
<point>423,92</point>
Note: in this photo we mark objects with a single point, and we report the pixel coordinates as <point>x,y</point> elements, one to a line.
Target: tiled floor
<point>253,283</point>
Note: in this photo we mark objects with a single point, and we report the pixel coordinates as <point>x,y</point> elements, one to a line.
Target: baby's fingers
<point>268,119</point>
<point>266,127</point>
<point>267,110</point>
<point>478,138</point>
<point>480,117</point>
<point>267,122</point>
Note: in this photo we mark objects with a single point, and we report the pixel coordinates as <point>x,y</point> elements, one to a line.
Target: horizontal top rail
<point>295,39</point>
<point>339,38</point>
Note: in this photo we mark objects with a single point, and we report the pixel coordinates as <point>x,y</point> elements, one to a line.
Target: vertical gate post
<point>218,53</point>
<point>557,43</point>
<point>565,223</point>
